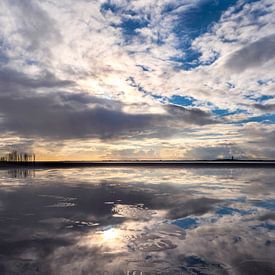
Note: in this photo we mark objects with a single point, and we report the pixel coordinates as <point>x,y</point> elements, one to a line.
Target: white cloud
<point>76,42</point>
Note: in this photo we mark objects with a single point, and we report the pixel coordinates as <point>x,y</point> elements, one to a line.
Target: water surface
<point>137,221</point>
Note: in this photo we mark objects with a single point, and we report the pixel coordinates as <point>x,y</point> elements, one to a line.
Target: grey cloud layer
<point>265,107</point>
<point>252,55</point>
<point>12,81</point>
<point>67,70</point>
<point>33,23</point>
<point>57,114</point>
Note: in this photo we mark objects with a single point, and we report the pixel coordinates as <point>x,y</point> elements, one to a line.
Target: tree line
<point>15,156</point>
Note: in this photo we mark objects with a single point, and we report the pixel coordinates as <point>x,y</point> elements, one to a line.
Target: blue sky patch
<point>192,24</point>
<point>189,61</point>
<point>240,199</point>
<point>198,19</point>
<point>266,119</point>
<point>109,6</point>
<point>239,7</point>
<point>268,226</point>
<point>186,223</point>
<point>222,211</point>
<point>3,48</point>
<point>3,58</point>
<point>130,26</point>
<point>31,62</point>
<point>265,82</point>
<point>221,112</point>
<point>130,22</point>
<point>268,204</point>
<point>227,112</point>
<point>182,100</point>
<point>264,98</point>
<point>259,99</point>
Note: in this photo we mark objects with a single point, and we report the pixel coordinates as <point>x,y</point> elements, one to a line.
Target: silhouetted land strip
<point>143,163</point>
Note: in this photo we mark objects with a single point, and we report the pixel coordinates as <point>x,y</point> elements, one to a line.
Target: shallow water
<point>137,221</point>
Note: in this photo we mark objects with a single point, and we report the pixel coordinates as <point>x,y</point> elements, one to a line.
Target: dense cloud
<point>265,107</point>
<point>66,115</point>
<point>192,116</point>
<point>253,55</point>
<point>47,117</point>
<point>149,73</point>
<point>12,81</point>
<point>34,25</point>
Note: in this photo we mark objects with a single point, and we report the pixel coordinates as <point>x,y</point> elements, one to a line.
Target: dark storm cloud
<point>196,207</point>
<point>267,216</point>
<point>12,81</point>
<point>65,115</point>
<point>252,55</point>
<point>265,107</point>
<point>47,116</point>
<point>192,116</point>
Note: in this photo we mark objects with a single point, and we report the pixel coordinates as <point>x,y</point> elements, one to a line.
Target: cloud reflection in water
<point>214,221</point>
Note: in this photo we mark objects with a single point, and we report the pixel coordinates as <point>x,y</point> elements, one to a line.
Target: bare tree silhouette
<point>15,156</point>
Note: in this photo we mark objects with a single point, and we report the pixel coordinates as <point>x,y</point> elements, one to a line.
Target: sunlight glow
<point>110,234</point>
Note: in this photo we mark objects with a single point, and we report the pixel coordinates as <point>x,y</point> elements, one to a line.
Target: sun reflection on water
<point>110,234</point>
<point>139,220</point>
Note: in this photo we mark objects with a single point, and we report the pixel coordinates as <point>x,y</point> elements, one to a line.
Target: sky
<point>140,79</point>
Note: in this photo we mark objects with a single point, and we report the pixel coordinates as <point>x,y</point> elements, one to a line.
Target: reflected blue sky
<point>179,221</point>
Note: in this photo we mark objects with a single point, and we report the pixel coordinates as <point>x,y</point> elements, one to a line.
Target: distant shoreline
<point>143,163</point>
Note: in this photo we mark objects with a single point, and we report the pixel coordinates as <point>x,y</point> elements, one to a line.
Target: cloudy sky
<point>138,79</point>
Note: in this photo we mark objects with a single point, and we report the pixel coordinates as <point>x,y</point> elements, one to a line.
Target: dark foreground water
<point>137,221</point>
